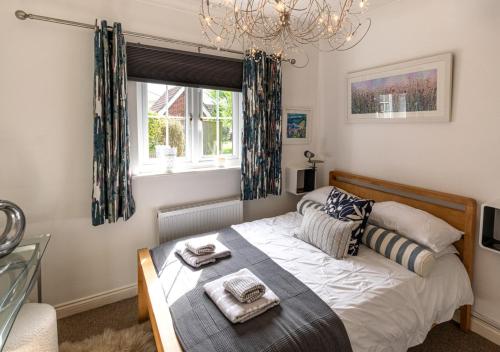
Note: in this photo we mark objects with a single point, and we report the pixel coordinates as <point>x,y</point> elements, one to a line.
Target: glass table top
<point>18,273</point>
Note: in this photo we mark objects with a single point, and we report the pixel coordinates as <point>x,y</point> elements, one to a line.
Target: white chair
<point>35,329</point>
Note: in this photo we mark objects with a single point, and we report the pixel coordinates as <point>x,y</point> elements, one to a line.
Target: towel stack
<point>201,251</point>
<point>241,296</point>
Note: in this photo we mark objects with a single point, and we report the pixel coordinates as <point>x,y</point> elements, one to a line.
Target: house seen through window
<point>201,124</point>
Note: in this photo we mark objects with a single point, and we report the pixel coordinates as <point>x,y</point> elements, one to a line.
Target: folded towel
<point>196,261</point>
<point>246,289</point>
<point>200,246</point>
<point>233,309</point>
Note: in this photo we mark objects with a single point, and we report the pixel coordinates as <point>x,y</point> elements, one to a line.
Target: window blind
<point>160,65</point>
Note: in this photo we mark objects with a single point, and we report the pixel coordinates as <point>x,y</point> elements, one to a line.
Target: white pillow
<point>448,250</point>
<point>319,195</point>
<point>415,224</point>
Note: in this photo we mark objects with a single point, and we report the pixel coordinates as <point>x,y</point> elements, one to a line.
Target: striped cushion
<point>326,233</point>
<point>305,204</point>
<point>409,254</point>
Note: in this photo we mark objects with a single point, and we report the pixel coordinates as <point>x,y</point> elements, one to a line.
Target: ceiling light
<point>281,27</point>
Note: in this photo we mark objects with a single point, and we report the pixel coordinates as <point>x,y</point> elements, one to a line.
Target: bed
<point>383,306</point>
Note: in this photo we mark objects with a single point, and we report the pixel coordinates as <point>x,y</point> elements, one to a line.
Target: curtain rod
<point>22,15</point>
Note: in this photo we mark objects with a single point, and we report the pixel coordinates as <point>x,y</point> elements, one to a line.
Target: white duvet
<point>383,306</point>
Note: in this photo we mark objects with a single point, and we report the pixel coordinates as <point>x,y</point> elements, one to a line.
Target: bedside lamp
<point>310,174</point>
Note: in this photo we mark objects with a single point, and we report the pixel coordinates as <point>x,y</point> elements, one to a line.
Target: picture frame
<point>297,125</point>
<point>413,91</point>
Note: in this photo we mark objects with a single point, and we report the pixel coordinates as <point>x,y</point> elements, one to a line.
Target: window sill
<point>185,170</point>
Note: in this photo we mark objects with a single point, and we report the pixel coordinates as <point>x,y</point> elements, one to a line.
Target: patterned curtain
<point>112,192</point>
<point>261,141</point>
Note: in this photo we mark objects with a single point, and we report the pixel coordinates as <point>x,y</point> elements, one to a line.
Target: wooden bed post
<point>152,304</point>
<point>465,318</point>
<point>468,258</point>
<point>142,299</point>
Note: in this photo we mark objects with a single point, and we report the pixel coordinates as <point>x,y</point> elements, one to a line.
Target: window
<point>166,118</point>
<point>217,122</point>
<point>201,124</point>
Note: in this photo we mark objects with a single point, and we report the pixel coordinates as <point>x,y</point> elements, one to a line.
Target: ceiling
<point>193,6</point>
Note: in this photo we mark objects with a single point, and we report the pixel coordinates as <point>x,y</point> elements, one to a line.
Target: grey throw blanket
<point>302,321</point>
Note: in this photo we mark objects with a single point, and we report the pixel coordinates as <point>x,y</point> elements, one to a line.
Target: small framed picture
<point>297,126</point>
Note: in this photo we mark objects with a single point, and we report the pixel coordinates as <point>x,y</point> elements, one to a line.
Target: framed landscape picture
<point>412,91</point>
<point>297,126</point>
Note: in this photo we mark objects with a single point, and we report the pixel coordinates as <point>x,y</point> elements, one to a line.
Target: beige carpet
<point>114,328</point>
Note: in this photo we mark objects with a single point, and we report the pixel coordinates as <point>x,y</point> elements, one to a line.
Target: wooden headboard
<point>458,211</point>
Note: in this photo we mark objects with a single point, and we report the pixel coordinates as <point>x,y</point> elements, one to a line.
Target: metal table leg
<point>39,283</point>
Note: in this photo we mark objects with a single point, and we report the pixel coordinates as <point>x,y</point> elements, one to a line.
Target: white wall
<point>46,74</point>
<point>461,157</point>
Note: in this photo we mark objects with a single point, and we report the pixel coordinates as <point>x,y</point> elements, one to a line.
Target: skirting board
<point>483,329</point>
<point>95,301</point>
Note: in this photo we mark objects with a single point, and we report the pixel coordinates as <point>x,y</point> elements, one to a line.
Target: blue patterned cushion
<point>347,207</point>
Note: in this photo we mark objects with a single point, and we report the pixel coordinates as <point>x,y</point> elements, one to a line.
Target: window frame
<point>194,157</point>
<point>236,120</point>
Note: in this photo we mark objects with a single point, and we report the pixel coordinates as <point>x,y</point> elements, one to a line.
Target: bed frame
<point>458,211</point>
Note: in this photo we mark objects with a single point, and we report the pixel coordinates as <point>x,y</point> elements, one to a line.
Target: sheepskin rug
<point>137,338</point>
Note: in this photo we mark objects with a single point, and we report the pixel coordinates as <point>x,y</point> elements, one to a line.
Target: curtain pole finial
<point>20,14</point>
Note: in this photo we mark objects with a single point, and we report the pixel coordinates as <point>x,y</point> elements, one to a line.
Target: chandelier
<point>284,27</point>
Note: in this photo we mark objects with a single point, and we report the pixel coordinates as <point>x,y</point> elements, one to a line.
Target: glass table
<point>18,273</point>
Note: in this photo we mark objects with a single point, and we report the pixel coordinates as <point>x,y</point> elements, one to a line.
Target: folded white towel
<point>196,261</point>
<point>234,310</point>
<point>200,246</point>
<point>246,289</point>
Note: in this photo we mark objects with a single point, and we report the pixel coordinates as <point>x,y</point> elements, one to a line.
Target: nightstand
<point>300,179</point>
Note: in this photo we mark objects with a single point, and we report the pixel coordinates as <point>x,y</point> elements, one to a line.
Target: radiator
<point>185,220</point>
